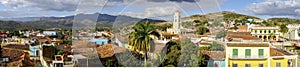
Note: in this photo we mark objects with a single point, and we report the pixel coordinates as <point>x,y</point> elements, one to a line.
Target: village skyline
<point>149,33</point>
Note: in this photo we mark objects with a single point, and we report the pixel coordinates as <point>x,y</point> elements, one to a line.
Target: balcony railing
<point>247,57</point>
<point>263,33</point>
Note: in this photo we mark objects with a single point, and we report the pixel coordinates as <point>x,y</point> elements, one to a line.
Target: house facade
<point>216,58</point>
<point>265,33</point>
<point>240,54</point>
<point>50,33</point>
<point>34,50</point>
<point>293,31</point>
<point>259,54</point>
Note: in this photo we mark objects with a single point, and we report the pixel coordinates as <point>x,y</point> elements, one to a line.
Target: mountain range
<point>105,20</point>
<point>100,18</point>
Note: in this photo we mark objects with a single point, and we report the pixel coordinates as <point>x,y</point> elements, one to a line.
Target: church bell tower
<point>176,22</point>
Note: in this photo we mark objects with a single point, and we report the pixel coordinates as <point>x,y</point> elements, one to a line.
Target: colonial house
<point>247,54</point>
<point>215,58</point>
<point>265,33</point>
<point>241,54</point>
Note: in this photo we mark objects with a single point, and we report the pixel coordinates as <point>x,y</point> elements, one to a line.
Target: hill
<point>285,20</point>
<point>226,15</point>
<point>236,16</point>
<point>103,20</point>
<point>94,17</point>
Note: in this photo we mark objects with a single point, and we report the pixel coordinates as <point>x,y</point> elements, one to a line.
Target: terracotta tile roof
<point>250,38</point>
<point>247,44</point>
<point>17,46</point>
<point>278,52</point>
<point>215,55</point>
<point>13,54</point>
<point>3,35</point>
<point>108,50</point>
<point>84,44</point>
<point>58,41</point>
<point>27,62</point>
<point>42,39</point>
<point>169,34</point>
<point>238,34</point>
<point>243,28</point>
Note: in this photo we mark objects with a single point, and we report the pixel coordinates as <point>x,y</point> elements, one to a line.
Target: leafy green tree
<point>197,21</point>
<point>140,38</point>
<point>205,22</point>
<point>221,34</point>
<point>272,35</point>
<point>60,52</point>
<point>215,46</point>
<point>299,32</point>
<point>187,24</point>
<point>190,55</point>
<point>173,50</point>
<point>283,28</point>
<point>201,23</point>
<point>216,23</point>
<point>109,63</point>
<point>14,33</point>
<point>234,27</point>
<point>202,30</point>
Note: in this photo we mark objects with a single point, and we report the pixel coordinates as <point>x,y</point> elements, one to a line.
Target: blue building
<point>34,50</point>
<point>215,58</point>
<point>100,41</point>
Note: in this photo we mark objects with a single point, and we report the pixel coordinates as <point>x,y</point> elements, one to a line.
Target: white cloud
<point>13,13</point>
<point>136,8</point>
<point>58,5</point>
<point>146,9</point>
<point>276,8</point>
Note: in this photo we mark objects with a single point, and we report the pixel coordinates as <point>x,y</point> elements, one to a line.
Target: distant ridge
<point>100,18</point>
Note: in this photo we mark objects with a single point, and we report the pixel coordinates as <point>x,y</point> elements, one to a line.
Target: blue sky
<point>151,8</point>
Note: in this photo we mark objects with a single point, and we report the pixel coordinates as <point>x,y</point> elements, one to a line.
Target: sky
<point>148,8</point>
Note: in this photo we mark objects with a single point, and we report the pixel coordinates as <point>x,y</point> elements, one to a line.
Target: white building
<point>265,33</point>
<point>177,27</point>
<point>176,24</point>
<point>50,32</point>
<point>293,31</point>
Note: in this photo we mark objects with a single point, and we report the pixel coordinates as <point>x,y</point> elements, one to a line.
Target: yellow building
<point>265,33</point>
<point>240,54</point>
<point>12,41</point>
<point>258,54</point>
<point>280,58</point>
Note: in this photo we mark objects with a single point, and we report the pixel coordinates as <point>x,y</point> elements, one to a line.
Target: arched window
<point>260,31</point>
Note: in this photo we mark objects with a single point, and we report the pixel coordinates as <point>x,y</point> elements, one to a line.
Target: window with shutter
<point>248,52</point>
<point>261,52</point>
<point>235,52</point>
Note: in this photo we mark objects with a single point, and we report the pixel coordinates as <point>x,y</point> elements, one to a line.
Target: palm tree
<point>140,39</point>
